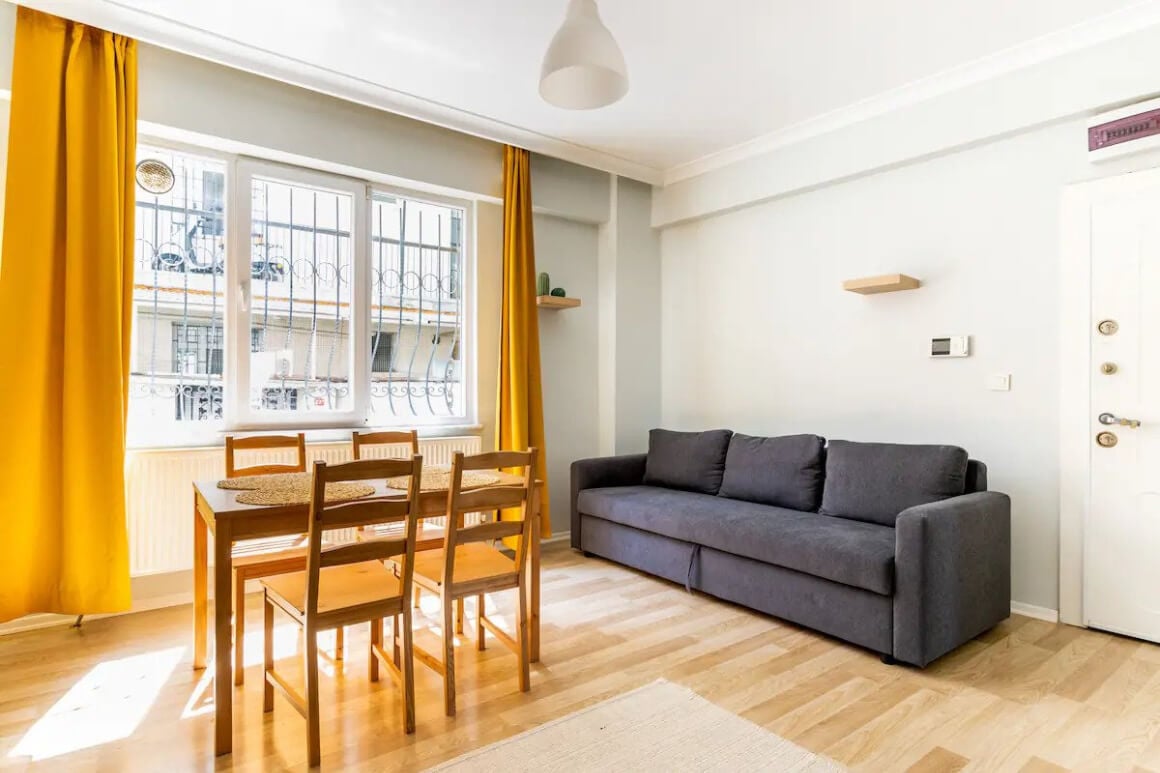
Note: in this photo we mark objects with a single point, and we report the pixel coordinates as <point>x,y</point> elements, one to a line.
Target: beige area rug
<point>659,727</point>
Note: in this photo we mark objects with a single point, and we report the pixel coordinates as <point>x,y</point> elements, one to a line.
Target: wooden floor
<point>120,695</point>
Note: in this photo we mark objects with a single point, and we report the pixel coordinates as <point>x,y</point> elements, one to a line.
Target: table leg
<point>223,685</point>
<point>200,602</point>
<point>534,588</point>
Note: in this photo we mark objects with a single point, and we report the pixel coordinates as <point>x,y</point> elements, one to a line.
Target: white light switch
<point>999,382</point>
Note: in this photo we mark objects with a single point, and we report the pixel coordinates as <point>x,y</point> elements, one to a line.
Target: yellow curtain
<point>66,286</point>
<point>520,414</point>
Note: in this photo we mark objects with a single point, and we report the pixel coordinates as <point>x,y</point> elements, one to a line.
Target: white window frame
<point>237,312</point>
<point>468,344</point>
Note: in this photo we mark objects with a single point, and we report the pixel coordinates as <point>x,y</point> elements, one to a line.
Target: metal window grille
<point>417,297</point>
<point>178,297</point>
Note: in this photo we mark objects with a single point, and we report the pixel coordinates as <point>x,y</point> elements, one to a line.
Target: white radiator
<point>159,491</point>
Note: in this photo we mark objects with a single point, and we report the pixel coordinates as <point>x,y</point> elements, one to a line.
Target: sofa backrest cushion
<point>877,481</point>
<point>783,471</point>
<point>693,461</point>
<point>976,477</point>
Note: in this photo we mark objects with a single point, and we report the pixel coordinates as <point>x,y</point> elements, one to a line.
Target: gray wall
<point>189,99</point>
<point>568,354</point>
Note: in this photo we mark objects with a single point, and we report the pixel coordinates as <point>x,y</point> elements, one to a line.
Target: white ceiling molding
<point>1060,89</point>
<point>1091,33</point>
<point>159,31</point>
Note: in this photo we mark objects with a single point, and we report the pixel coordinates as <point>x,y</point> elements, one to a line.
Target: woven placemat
<point>299,494</point>
<point>277,480</point>
<point>439,479</point>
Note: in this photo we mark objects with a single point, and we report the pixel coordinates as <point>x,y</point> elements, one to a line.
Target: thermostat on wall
<point>951,346</point>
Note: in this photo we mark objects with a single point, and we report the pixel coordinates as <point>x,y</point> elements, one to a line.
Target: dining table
<point>218,512</point>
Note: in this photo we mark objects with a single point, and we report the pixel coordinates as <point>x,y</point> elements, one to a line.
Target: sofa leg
<point>889,660</point>
<point>587,554</point>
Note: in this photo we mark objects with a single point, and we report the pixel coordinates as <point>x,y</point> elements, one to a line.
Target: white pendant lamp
<point>584,67</point>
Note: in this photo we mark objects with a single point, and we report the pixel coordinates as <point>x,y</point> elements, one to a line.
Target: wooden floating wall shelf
<point>887,283</point>
<point>556,302</point>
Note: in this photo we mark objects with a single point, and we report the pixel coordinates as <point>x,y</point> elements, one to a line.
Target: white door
<point>1122,532</point>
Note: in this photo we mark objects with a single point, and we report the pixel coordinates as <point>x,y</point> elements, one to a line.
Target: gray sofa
<point>897,548</point>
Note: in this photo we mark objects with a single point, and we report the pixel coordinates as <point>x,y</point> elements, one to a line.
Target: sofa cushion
<point>693,461</point>
<point>860,555</point>
<point>877,481</point>
<point>784,471</point>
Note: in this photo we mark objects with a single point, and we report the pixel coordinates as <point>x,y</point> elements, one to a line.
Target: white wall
<point>758,335</point>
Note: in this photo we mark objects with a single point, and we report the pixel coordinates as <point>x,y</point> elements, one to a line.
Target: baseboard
<point>150,591</point>
<point>560,536</point>
<point>1039,613</point>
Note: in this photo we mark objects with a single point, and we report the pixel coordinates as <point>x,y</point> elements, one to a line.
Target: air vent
<point>1124,131</point>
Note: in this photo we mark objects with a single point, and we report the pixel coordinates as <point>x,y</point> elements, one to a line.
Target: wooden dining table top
<point>224,502</point>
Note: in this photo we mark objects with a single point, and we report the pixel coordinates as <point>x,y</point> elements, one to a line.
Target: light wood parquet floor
<point>120,694</point>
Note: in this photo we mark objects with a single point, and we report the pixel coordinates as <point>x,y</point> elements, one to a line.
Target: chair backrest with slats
<point>261,443</point>
<point>515,497</point>
<point>392,508</point>
<point>409,437</point>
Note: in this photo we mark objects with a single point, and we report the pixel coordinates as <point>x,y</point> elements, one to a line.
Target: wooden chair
<point>409,437</point>
<point>396,437</point>
<point>255,559</point>
<point>349,584</point>
<point>468,565</point>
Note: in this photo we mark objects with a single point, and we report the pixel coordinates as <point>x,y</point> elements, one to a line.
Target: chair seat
<point>339,587</point>
<point>473,561</point>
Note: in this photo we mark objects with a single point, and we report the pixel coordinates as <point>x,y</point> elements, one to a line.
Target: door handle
<point>1111,420</point>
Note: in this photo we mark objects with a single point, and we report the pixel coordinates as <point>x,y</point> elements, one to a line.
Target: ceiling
<point>705,76</point>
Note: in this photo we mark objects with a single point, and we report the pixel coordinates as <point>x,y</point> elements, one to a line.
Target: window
<point>347,309</point>
<point>416,310</point>
<point>178,353</point>
<point>382,352</point>
<point>197,349</point>
<point>301,272</point>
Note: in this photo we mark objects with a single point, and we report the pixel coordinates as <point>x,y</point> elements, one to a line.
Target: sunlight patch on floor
<point>107,704</point>
<point>201,700</point>
<point>286,642</point>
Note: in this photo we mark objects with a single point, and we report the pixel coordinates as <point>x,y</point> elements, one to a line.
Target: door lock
<point>1109,368</point>
<point>1111,420</point>
<point>1107,439</point>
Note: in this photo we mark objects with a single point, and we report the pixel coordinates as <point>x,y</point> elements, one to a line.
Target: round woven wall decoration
<point>439,479</point>
<point>155,176</point>
<point>296,494</point>
<point>277,480</point>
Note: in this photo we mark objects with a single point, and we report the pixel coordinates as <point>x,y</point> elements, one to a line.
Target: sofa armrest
<point>602,472</point>
<point>952,573</point>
